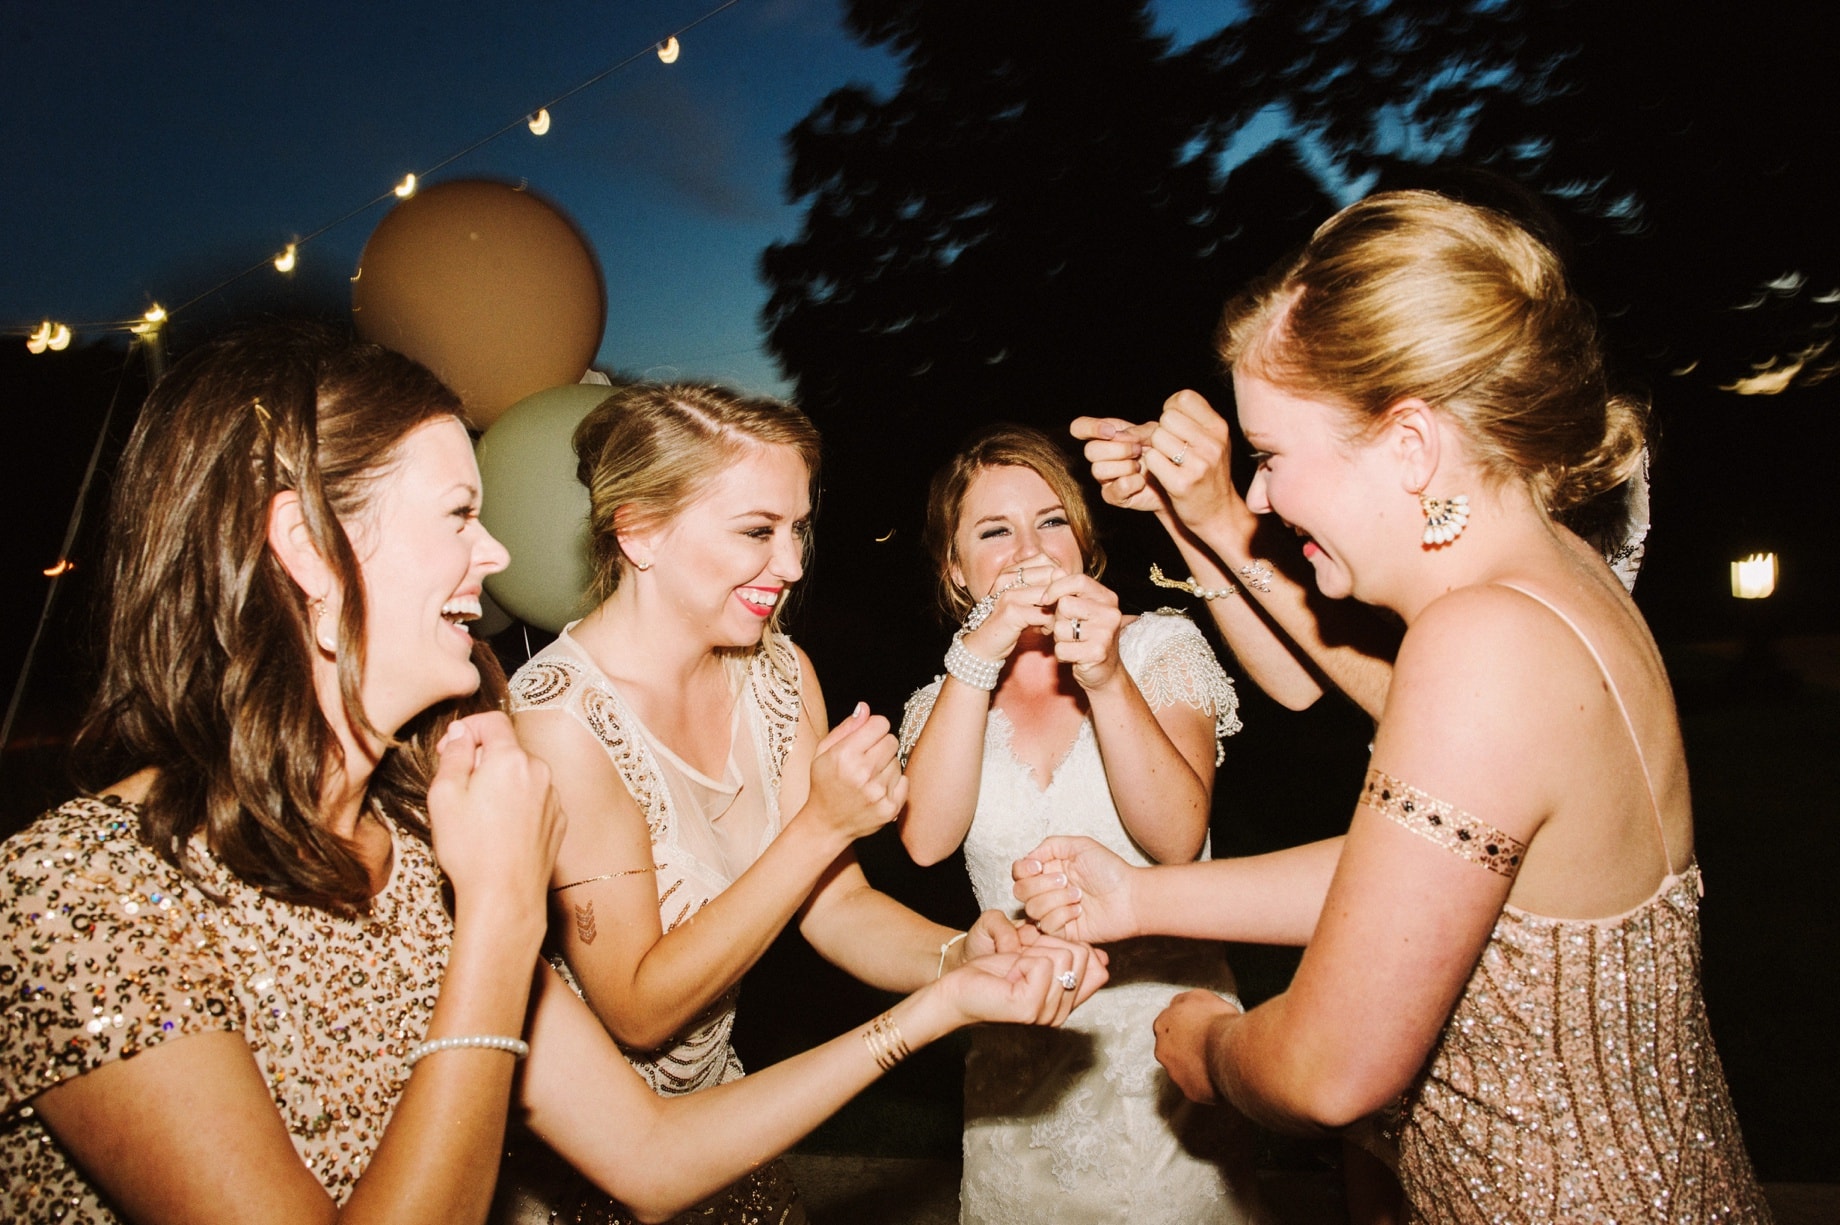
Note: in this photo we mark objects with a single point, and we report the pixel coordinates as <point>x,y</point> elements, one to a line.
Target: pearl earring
<point>1445,518</point>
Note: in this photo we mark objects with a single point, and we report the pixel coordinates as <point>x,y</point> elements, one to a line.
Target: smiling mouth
<point>461,609</point>
<point>759,600</point>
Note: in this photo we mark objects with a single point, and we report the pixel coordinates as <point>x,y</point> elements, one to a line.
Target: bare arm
<point>1203,512</point>
<point>660,1155</point>
<point>647,984</point>
<point>1075,887</point>
<point>1406,918</point>
<point>233,1160</point>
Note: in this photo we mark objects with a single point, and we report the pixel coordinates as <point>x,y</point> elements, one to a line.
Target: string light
<point>64,566</point>
<point>151,321</point>
<point>52,336</point>
<point>57,336</point>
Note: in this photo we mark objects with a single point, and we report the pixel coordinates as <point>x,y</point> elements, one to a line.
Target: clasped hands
<point>1076,612</point>
<point>1076,888</point>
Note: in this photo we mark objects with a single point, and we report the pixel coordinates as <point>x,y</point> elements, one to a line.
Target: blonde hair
<point>650,449</point>
<point>1000,446</point>
<point>1412,294</point>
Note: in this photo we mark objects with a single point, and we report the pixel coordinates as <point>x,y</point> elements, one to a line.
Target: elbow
<point>643,1031</point>
<point>920,849</point>
<point>1333,1101</point>
<point>1299,698</point>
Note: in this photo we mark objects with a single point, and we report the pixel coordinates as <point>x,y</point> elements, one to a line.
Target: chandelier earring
<point>1445,518</point>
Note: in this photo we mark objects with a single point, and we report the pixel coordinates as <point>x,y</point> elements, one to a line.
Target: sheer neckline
<point>1003,732</point>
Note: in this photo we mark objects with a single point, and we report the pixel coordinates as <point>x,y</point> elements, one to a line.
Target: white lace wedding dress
<point>1080,1125</point>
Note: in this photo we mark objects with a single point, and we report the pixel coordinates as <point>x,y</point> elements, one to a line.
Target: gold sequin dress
<point>705,832</point>
<point>106,951</point>
<point>1576,1080</point>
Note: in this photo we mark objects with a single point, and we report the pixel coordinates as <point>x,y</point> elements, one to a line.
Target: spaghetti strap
<point>1654,805</point>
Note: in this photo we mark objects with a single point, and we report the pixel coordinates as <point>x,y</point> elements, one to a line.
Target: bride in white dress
<point>1060,715</point>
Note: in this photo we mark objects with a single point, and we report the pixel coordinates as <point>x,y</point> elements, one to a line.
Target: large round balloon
<point>488,286</point>
<point>536,507</point>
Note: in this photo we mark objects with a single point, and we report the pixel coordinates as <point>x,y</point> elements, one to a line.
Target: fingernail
<point>1060,878</point>
<point>1077,895</point>
<point>1107,430</point>
<point>861,711</point>
<point>1032,866</point>
<point>454,731</point>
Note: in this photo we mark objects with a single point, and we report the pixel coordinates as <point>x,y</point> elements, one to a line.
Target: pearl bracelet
<point>515,1047</point>
<point>1190,585</point>
<point>970,669</point>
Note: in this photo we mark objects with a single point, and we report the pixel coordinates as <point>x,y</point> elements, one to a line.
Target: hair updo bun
<point>1411,294</point>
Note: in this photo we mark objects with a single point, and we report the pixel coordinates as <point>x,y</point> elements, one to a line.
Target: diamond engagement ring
<point>1067,979</point>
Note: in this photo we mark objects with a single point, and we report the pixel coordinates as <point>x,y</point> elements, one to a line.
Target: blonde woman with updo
<point>1503,951</point>
<point>708,802</point>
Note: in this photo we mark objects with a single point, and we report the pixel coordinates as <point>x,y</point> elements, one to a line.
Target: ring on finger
<point>1067,979</point>
<point>1179,456</point>
<point>1076,629</point>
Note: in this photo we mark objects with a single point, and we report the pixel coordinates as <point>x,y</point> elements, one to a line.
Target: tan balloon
<point>486,284</point>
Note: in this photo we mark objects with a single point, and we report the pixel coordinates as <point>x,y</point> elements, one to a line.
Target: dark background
<point>1034,224</point>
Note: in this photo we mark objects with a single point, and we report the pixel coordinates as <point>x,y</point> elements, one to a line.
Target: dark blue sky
<point>151,150</point>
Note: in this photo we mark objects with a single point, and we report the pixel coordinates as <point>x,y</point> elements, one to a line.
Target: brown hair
<point>650,449</point>
<point>1002,445</point>
<point>1412,294</point>
<point>207,670</point>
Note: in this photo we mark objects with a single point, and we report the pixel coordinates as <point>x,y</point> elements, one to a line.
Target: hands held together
<point>1075,611</point>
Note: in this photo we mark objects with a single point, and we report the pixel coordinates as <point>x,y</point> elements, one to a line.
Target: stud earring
<point>1445,518</point>
<point>642,565</point>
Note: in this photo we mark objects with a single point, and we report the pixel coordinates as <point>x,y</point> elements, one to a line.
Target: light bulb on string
<point>406,188</point>
<point>52,336</point>
<point>64,566</point>
<point>286,260</point>
<point>539,122</point>
<point>151,321</point>
<point>668,50</point>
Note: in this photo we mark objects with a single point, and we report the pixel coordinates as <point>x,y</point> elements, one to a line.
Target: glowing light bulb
<point>406,188</point>
<point>60,339</point>
<point>286,260</point>
<point>151,321</point>
<point>40,340</point>
<point>539,122</point>
<point>1754,577</point>
<point>668,50</point>
<point>64,566</point>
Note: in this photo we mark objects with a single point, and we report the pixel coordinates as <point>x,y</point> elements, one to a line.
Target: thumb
<point>844,729</point>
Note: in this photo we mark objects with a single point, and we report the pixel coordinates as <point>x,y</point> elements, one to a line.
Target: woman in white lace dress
<point>708,803</point>
<point>1060,715</point>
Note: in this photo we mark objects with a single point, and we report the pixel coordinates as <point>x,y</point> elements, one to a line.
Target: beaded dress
<point>107,950</point>
<point>1080,1124</point>
<point>1576,1080</point>
<point>705,833</point>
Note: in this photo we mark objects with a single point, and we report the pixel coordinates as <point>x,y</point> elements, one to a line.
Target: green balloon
<point>536,507</point>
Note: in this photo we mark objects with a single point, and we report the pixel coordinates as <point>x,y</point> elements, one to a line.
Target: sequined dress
<point>1080,1125</point>
<point>107,951</point>
<point>705,833</point>
<point>1576,1080</point>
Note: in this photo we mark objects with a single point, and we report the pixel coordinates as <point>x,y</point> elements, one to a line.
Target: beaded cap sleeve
<point>107,951</point>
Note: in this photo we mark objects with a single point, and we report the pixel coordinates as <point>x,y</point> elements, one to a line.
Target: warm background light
<point>1754,577</point>
<point>668,50</point>
<point>286,260</point>
<point>539,122</point>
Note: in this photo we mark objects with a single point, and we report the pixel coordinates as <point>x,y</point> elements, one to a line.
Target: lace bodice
<point>697,855</point>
